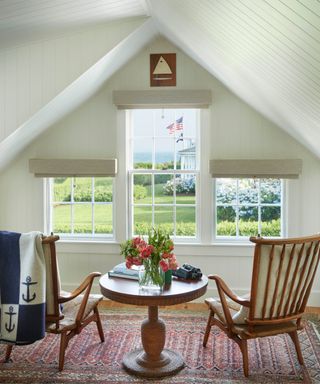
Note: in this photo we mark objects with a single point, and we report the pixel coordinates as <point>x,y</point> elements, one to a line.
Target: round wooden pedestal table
<point>152,360</point>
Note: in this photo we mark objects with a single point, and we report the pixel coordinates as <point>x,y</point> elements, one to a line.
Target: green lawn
<point>185,215</point>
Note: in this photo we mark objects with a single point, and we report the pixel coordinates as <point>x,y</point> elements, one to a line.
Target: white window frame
<point>245,239</point>
<point>197,172</point>
<point>77,236</point>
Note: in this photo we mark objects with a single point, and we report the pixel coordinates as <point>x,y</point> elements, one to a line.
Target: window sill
<point>216,249</point>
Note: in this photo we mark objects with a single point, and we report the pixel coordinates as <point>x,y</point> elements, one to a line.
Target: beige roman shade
<point>260,168</point>
<point>162,99</point>
<point>73,167</point>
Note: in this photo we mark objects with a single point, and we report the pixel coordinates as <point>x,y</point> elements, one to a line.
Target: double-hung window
<point>164,171</point>
<point>81,207</point>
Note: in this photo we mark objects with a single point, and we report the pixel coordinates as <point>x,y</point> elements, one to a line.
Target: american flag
<point>179,124</point>
<point>176,126</point>
<point>171,128</point>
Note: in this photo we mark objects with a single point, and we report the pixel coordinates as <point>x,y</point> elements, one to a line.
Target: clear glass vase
<point>151,278</point>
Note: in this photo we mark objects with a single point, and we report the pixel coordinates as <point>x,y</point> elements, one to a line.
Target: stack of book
<point>122,271</point>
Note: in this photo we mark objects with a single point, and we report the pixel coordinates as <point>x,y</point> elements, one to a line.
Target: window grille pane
<point>226,191</point>
<point>103,187</point>
<point>185,189</point>
<point>270,221</point>
<point>270,191</point>
<point>61,218</point>
<point>142,217</point>
<point>163,218</point>
<point>82,189</point>
<point>143,123</point>
<point>248,191</point>
<point>142,153</point>
<point>248,221</point>
<point>185,221</point>
<point>142,189</point>
<point>82,221</point>
<point>103,219</point>
<point>226,221</point>
<point>62,189</point>
<point>163,189</point>
<point>162,121</point>
<point>164,153</point>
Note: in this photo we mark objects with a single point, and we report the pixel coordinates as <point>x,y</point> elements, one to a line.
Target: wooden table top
<point>128,292</point>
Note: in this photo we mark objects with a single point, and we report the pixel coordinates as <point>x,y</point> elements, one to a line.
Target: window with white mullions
<point>246,207</point>
<point>164,171</point>
<point>82,206</point>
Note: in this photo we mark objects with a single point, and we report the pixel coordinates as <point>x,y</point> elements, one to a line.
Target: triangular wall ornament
<point>162,69</point>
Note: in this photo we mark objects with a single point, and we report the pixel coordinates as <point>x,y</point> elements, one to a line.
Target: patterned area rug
<point>272,360</point>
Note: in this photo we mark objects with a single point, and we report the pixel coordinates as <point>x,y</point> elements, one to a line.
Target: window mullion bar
<point>92,205</point>
<point>237,208</point>
<point>72,205</point>
<point>259,208</point>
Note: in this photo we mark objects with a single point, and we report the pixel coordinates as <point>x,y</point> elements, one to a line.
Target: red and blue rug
<point>271,360</point>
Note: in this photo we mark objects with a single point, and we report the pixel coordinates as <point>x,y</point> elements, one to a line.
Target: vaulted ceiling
<point>265,51</point>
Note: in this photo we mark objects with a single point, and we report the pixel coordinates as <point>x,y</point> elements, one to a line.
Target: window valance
<point>260,168</point>
<point>162,99</point>
<point>73,167</point>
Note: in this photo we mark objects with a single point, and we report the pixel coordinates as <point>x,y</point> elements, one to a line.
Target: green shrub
<point>142,165</point>
<point>182,229</point>
<point>102,194</point>
<point>183,186</point>
<point>140,192</point>
<point>84,228</point>
<point>140,179</point>
<point>249,228</point>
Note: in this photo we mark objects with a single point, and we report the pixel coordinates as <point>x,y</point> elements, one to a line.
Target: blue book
<point>121,270</point>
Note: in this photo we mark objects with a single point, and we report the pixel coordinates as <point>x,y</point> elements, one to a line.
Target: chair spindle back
<point>283,273</point>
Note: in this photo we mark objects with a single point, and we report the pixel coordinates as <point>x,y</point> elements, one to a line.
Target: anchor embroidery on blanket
<point>22,287</point>
<point>28,283</point>
<point>10,313</point>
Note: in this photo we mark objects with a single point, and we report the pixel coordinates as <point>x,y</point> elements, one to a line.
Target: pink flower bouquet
<point>155,255</point>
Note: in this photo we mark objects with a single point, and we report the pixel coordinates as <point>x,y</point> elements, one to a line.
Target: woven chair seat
<point>70,310</point>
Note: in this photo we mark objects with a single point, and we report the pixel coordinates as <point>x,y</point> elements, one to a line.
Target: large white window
<point>164,171</point>
<point>81,207</point>
<point>247,207</point>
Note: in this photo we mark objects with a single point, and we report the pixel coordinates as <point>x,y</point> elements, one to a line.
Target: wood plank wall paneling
<point>31,75</point>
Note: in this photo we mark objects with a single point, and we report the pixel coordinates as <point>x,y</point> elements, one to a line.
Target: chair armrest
<point>224,291</point>
<point>221,284</point>
<point>85,284</point>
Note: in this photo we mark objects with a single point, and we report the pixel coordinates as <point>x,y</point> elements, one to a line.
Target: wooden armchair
<point>282,277</point>
<point>66,313</point>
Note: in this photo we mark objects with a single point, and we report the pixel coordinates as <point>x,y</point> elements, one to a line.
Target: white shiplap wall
<point>32,75</point>
<point>234,130</point>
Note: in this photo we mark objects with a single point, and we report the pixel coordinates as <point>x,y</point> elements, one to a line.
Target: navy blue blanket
<point>22,288</point>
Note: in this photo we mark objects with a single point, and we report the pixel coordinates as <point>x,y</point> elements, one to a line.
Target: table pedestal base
<point>138,363</point>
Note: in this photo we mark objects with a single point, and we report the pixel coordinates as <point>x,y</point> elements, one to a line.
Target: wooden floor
<point>189,306</point>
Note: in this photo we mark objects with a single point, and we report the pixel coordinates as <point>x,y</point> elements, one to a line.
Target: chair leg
<point>244,349</point>
<point>207,333</point>
<point>295,339</point>
<point>8,352</point>
<point>63,346</point>
<point>99,324</point>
